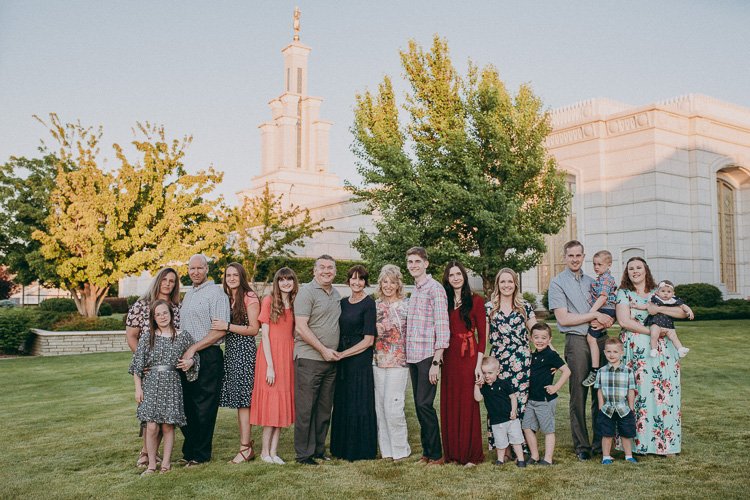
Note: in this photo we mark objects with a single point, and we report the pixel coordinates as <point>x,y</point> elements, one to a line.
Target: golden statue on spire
<point>297,14</point>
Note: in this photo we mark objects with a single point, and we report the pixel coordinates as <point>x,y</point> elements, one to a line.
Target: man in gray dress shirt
<point>568,294</point>
<point>205,302</point>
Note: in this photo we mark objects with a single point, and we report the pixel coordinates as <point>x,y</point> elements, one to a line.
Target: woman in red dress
<point>459,412</point>
<point>273,397</point>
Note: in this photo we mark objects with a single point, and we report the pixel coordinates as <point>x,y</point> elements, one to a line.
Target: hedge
<point>699,294</point>
<point>82,324</point>
<point>119,305</point>
<point>58,305</point>
<point>731,309</point>
<point>16,324</point>
<point>105,309</point>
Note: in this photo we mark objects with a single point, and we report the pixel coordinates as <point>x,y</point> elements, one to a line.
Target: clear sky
<point>210,68</point>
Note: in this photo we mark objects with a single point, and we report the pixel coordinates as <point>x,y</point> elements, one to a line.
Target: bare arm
<point>359,347</point>
<point>567,318</point>
<point>213,337</point>
<point>628,323</point>
<point>688,311</point>
<point>307,335</point>
<point>138,388</point>
<point>631,399</point>
<point>674,312</point>
<point>250,330</point>
<point>131,335</point>
<point>599,303</point>
<point>552,389</point>
<point>513,406</point>
<point>477,392</point>
<point>265,343</point>
<point>600,398</point>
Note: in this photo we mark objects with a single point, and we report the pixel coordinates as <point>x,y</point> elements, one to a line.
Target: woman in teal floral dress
<point>509,320</point>
<point>658,392</point>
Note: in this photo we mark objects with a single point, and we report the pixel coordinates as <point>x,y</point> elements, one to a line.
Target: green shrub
<point>105,309</point>
<point>132,299</point>
<point>545,299</point>
<point>15,330</point>
<point>734,309</point>
<point>699,294</point>
<point>119,304</point>
<point>530,298</point>
<point>58,305</point>
<point>82,324</point>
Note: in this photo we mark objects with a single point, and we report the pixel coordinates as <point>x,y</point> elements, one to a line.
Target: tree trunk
<point>88,299</point>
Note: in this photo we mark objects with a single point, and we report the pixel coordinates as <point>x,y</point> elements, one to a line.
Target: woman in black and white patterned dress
<point>239,353</point>
<point>166,286</point>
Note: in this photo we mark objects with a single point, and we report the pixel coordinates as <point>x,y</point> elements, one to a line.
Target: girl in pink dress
<point>273,397</point>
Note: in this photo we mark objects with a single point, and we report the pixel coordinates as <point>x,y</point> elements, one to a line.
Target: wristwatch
<point>435,362</point>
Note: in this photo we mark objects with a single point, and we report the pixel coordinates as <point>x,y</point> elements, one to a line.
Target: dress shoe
<point>439,461</point>
<point>322,457</point>
<point>583,455</point>
<point>307,461</point>
<point>423,460</point>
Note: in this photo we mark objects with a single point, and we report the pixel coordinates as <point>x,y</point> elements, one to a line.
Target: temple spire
<point>297,15</point>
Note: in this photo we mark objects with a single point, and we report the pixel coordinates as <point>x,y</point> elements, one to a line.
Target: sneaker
<point>654,353</point>
<point>499,462</point>
<point>607,461</point>
<point>631,460</point>
<point>683,351</point>
<point>267,459</point>
<point>543,462</point>
<point>531,461</point>
<point>521,463</point>
<point>277,460</point>
<point>589,381</point>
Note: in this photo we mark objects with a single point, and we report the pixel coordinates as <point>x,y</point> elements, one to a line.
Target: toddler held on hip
<point>657,323</point>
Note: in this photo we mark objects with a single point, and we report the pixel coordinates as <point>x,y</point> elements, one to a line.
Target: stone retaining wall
<point>61,343</point>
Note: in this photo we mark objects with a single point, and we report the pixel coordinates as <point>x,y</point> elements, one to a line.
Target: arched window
<point>727,251</point>
<point>552,263</point>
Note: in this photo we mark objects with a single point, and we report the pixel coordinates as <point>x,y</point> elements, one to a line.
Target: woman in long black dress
<point>354,434</point>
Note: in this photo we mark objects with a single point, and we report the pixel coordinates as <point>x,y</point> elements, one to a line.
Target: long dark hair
<point>626,284</point>
<point>466,295</point>
<point>239,312</point>
<point>277,300</point>
<point>155,288</point>
<point>152,320</point>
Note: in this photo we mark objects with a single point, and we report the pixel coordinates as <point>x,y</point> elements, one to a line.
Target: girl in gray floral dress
<point>158,391</point>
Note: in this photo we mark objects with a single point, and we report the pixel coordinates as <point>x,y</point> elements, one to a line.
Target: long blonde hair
<point>155,288</point>
<point>518,302</point>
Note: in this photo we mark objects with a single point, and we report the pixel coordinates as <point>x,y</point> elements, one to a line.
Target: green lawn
<point>70,431</point>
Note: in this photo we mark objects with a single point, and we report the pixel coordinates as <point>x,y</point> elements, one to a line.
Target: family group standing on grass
<point>346,362</point>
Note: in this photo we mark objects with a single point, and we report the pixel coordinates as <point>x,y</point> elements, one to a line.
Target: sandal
<point>165,468</point>
<point>148,472</point>
<point>142,462</point>
<point>246,453</point>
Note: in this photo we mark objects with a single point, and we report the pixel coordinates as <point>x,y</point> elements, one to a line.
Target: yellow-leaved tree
<point>107,224</point>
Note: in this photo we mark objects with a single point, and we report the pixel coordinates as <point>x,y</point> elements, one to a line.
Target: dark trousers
<point>424,400</point>
<point>578,358</point>
<point>314,382</point>
<point>202,405</point>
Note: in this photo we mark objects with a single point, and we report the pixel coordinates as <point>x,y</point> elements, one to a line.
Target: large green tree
<point>107,224</point>
<point>466,173</point>
<point>263,227</point>
<point>25,188</point>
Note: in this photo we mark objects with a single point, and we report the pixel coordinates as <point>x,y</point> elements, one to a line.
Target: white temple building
<point>669,181</point>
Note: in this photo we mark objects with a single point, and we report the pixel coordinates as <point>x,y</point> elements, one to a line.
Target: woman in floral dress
<point>509,320</point>
<point>658,392</point>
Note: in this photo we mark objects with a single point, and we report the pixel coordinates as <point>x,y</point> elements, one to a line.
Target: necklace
<point>360,298</point>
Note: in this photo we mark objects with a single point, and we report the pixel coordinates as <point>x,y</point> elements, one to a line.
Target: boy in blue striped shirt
<point>616,393</point>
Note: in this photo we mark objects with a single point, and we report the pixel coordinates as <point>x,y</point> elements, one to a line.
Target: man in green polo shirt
<point>317,308</point>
